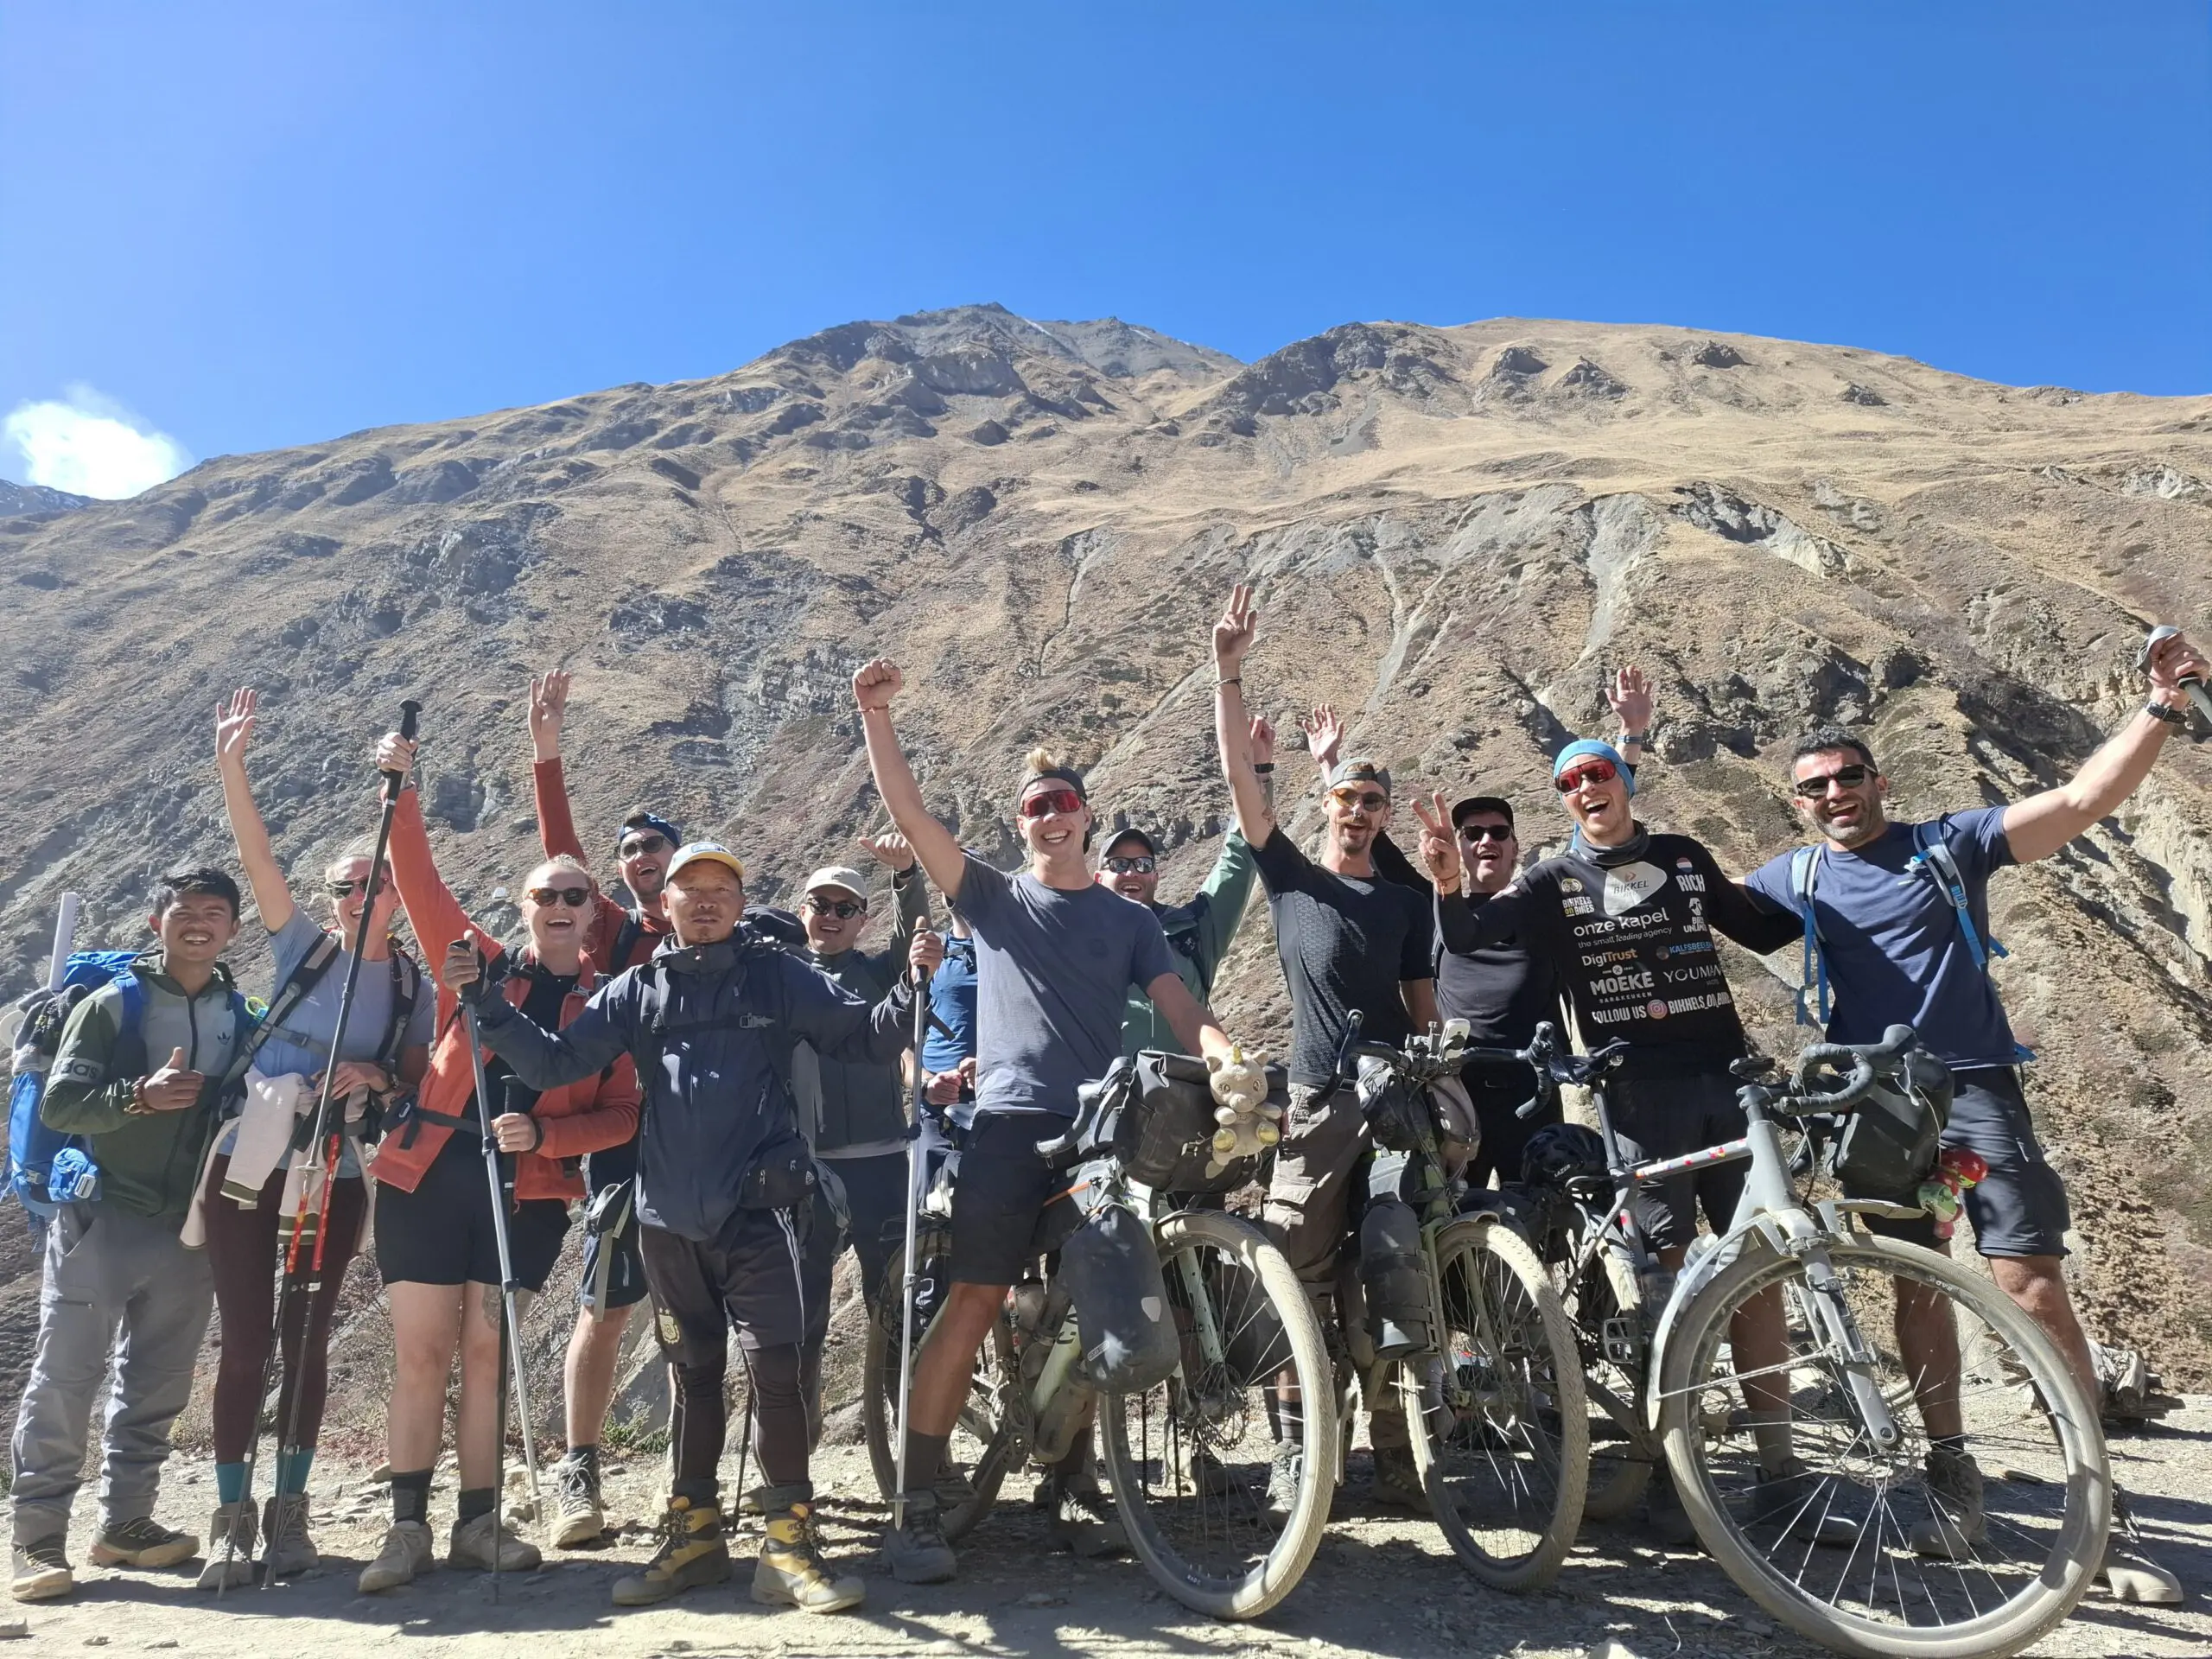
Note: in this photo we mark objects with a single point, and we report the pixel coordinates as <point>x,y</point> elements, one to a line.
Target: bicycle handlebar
<point>1865,1064</point>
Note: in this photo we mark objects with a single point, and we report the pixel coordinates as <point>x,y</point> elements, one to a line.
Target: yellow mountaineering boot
<point>691,1554</point>
<point>791,1574</point>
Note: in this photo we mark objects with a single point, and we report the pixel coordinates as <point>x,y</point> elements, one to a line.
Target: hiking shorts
<point>2019,1208</point>
<point>748,1276</point>
<point>1309,1189</point>
<point>626,1271</point>
<point>441,1233</point>
<point>1001,1194</point>
<point>1665,1114</point>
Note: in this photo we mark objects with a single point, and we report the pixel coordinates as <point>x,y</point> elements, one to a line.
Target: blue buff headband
<point>1587,748</point>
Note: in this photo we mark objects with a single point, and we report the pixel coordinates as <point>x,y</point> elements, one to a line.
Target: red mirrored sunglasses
<point>1590,772</point>
<point>1046,801</point>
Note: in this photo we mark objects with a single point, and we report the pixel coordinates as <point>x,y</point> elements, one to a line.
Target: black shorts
<point>2019,1208</point>
<point>441,1232</point>
<point>625,1270</point>
<point>1499,1093</point>
<point>1001,1194</point>
<point>749,1277</point>
<point>1665,1114</point>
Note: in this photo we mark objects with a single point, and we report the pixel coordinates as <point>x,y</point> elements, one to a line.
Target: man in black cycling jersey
<point>1057,955</point>
<point>1627,916</point>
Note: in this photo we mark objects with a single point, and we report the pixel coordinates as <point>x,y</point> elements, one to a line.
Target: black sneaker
<point>1086,1523</point>
<point>917,1548</point>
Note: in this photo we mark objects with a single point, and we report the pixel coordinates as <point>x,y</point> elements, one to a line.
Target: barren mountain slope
<point>1456,533</point>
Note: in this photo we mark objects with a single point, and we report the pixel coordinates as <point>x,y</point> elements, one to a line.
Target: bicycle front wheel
<point>1224,1517</point>
<point>1876,1542</point>
<point>1502,1442</point>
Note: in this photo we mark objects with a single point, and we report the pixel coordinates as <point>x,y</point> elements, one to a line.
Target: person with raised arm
<point>386,1053</point>
<point>1057,955</point>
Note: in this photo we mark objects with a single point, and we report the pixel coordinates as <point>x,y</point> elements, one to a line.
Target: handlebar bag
<point>1893,1136</point>
<point>1161,1129</point>
<point>1112,1272</point>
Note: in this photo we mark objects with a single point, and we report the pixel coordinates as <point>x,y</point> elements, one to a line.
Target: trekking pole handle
<point>2197,692</point>
<point>65,939</point>
<point>410,715</point>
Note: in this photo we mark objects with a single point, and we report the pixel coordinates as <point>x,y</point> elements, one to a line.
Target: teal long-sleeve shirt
<point>1198,937</point>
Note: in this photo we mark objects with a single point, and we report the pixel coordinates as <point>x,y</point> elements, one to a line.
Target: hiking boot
<point>1085,1522</point>
<point>141,1542</point>
<point>473,1542</point>
<point>284,1522</point>
<point>691,1554</point>
<point>578,1515</point>
<point>1805,1503</point>
<point>1396,1482</point>
<point>409,1550</point>
<point>953,1488</point>
<point>2126,1573</point>
<point>233,1537</point>
<point>1669,1522</point>
<point>1955,1525</point>
<point>1286,1472</point>
<point>789,1571</point>
<point>916,1550</point>
<point>42,1569</point>
<point>1205,1473</point>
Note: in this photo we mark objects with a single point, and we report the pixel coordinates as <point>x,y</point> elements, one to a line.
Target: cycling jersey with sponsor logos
<point>1630,930</point>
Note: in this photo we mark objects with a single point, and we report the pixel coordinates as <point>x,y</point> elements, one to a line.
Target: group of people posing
<point>721,1091</point>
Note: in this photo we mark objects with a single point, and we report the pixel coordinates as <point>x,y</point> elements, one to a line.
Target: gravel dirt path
<point>1381,1584</point>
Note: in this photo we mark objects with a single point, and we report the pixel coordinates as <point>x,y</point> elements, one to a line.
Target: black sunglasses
<point>347,889</point>
<point>1812,788</point>
<point>1485,832</point>
<point>641,847</point>
<point>1144,865</point>
<point>575,897</point>
<point>843,909</point>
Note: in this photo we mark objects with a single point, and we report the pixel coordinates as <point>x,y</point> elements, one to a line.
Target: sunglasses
<point>575,897</point>
<point>1812,788</point>
<point>843,909</point>
<point>1485,832</point>
<point>347,889</point>
<point>1596,772</point>
<point>1143,865</point>
<point>642,846</point>
<point>1047,802</point>
<point>1360,800</point>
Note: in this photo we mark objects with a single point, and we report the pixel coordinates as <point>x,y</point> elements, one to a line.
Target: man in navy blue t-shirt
<point>1897,951</point>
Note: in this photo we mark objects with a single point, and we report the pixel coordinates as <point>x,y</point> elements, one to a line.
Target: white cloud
<point>89,444</point>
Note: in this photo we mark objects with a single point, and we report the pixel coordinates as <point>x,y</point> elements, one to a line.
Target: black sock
<point>1290,1421</point>
<point>588,1456</point>
<point>410,1496</point>
<point>924,1456</point>
<point>705,1494</point>
<point>1078,1467</point>
<point>475,1501</point>
<point>1949,1443</point>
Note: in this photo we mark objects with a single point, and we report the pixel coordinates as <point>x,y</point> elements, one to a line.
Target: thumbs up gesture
<point>172,1089</point>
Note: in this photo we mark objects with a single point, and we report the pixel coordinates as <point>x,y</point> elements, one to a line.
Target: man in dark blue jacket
<point>722,1173</point>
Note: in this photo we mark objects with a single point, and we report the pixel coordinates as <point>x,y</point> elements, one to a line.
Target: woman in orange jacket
<point>436,1246</point>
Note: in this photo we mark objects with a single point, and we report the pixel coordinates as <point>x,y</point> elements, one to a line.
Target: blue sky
<point>249,226</point>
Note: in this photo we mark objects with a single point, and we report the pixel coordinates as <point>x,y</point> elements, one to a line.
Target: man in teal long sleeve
<point>1198,932</point>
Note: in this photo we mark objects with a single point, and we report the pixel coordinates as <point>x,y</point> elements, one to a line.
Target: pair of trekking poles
<point>328,1131</point>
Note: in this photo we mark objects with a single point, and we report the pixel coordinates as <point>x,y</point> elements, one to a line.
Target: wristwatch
<point>1635,737</point>
<point>2158,710</point>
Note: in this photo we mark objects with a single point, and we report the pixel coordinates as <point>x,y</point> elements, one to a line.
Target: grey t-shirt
<point>1053,969</point>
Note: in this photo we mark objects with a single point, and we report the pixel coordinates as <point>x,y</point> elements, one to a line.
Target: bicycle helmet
<point>1561,1153</point>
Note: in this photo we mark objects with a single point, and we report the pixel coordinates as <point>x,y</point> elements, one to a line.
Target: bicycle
<point>1854,1547</point>
<point>1189,1458</point>
<point>1484,1358</point>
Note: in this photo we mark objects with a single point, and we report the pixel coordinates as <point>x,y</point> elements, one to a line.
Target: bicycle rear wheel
<point>1989,1587</point>
<point>1502,1442</point>
<point>981,1448</point>
<point>1191,1461</point>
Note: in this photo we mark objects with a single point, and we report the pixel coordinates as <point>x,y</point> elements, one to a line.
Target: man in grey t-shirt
<point>1055,959</point>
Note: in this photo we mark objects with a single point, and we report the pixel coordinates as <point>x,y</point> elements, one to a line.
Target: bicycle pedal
<point>1622,1340</point>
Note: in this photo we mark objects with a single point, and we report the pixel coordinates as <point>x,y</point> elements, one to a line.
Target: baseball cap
<point>1496,803</point>
<point>706,852</point>
<point>1132,833</point>
<point>840,876</point>
<point>1360,770</point>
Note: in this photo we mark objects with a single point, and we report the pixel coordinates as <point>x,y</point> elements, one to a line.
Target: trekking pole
<point>323,1128</point>
<point>65,939</point>
<point>918,1146</point>
<point>2196,688</point>
<point>511,1327</point>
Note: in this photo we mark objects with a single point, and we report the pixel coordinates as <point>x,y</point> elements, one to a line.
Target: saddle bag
<point>1159,1125</point>
<point>1892,1138</point>
<point>1112,1272</point>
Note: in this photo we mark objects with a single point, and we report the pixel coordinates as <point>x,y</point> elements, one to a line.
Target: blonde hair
<point>560,862</point>
<point>1042,758</point>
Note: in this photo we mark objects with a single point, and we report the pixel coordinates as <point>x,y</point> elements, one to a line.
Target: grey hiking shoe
<point>579,1517</point>
<point>2128,1574</point>
<point>916,1550</point>
<point>284,1522</point>
<point>473,1542</point>
<point>1085,1522</point>
<point>42,1569</point>
<point>233,1539</point>
<point>1396,1482</point>
<point>1285,1470</point>
<point>1956,1525</point>
<point>141,1542</point>
<point>1805,1505</point>
<point>408,1551</point>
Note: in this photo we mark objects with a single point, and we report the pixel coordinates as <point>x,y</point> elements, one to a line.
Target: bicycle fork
<point>1831,1315</point>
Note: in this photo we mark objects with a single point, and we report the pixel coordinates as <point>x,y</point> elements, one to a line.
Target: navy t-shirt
<point>1053,971</point>
<point>1896,953</point>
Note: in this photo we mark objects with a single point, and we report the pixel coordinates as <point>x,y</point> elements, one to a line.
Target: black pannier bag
<point>1892,1137</point>
<point>1158,1123</point>
<point>1112,1272</point>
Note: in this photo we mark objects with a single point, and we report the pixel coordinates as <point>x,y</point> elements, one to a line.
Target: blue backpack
<point>46,1167</point>
<point>1933,855</point>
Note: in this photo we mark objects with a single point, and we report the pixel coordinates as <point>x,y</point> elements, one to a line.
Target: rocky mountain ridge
<point>1456,533</point>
